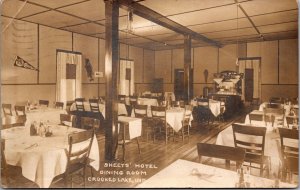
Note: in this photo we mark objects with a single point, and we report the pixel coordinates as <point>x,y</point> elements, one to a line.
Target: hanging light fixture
<point>130,21</point>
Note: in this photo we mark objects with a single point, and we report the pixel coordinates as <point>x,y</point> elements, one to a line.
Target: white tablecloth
<point>260,123</point>
<point>286,107</point>
<point>174,118</point>
<point>47,159</point>
<point>134,124</point>
<point>45,114</point>
<point>214,106</point>
<point>121,108</point>
<point>187,174</point>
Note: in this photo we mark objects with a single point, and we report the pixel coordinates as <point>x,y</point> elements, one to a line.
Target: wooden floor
<point>153,158</point>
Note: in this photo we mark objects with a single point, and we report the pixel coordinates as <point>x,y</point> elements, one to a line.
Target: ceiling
<point>219,20</point>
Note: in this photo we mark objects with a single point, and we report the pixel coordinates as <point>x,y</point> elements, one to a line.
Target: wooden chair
<point>270,115</point>
<point>223,101</point>
<point>77,157</point>
<point>274,105</point>
<point>290,121</point>
<point>204,113</point>
<point>175,104</point>
<point>222,152</point>
<point>20,110</point>
<point>121,99</point>
<point>7,109</point>
<point>59,105</point>
<point>94,105</point>
<point>256,117</point>
<point>159,122</point>
<point>89,123</point>
<point>140,111</point>
<point>67,120</point>
<point>278,100</point>
<point>185,130</point>
<point>254,150</point>
<point>289,153</point>
<point>79,102</point>
<point>44,103</point>
<point>13,121</point>
<point>122,138</point>
<point>255,103</point>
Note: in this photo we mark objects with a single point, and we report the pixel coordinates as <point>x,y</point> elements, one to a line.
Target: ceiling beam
<point>149,14</point>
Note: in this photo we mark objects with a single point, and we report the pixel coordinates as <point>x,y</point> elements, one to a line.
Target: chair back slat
<point>222,152</point>
<point>59,105</point>
<point>158,111</point>
<point>140,111</point>
<point>20,110</point>
<point>256,117</point>
<point>7,109</point>
<point>79,102</point>
<point>94,105</point>
<point>44,103</point>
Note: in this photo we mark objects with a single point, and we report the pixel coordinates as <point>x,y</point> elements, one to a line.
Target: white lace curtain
<point>125,85</point>
<point>68,89</point>
<point>255,65</point>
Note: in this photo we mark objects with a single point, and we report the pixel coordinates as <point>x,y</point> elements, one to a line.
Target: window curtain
<point>126,82</point>
<point>255,65</point>
<point>68,89</point>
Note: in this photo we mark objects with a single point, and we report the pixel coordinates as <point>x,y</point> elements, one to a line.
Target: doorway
<point>179,83</point>
<point>251,83</point>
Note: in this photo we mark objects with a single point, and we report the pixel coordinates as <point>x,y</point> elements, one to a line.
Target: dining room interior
<point>149,94</point>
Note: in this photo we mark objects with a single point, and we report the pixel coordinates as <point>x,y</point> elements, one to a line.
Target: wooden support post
<point>187,68</point>
<point>111,74</point>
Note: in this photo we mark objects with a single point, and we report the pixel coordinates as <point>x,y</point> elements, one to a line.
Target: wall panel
<point>89,91</point>
<point>102,59</point>
<point>286,91</point>
<point>205,58</point>
<point>288,61</point>
<point>137,55</point>
<point>163,63</point>
<point>49,41</point>
<point>227,58</point>
<point>177,61</point>
<point>149,66</point>
<point>88,46</point>
<point>19,38</point>
<point>269,62</point>
<point>19,94</point>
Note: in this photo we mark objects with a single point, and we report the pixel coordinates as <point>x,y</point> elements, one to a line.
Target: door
<point>179,84</point>
<point>249,86</point>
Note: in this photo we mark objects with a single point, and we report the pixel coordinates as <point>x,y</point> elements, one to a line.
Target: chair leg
<point>137,140</point>
<point>123,147</point>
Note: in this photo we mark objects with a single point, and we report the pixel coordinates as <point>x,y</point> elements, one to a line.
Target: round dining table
<point>42,158</point>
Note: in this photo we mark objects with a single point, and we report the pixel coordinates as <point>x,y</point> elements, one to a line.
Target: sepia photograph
<point>149,94</point>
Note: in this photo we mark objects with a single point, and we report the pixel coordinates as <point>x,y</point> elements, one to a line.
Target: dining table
<point>187,174</point>
<point>44,114</point>
<point>174,117</point>
<point>134,126</point>
<point>287,107</point>
<point>42,158</point>
<point>214,105</point>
